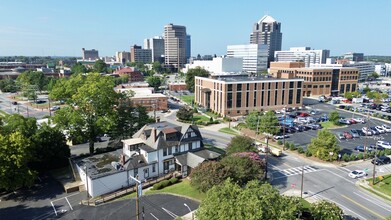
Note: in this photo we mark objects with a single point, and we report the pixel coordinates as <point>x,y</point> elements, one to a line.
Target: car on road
<point>340,136</point>
<point>380,129</point>
<point>384,144</point>
<point>164,111</point>
<point>357,174</point>
<point>354,133</point>
<point>54,108</point>
<point>352,121</point>
<point>381,160</point>
<point>366,131</point>
<point>40,101</point>
<point>386,128</point>
<point>362,149</point>
<point>347,135</point>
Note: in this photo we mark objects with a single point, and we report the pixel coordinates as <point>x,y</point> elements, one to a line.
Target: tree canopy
<point>268,123</point>
<point>198,71</point>
<point>185,114</point>
<point>252,119</point>
<point>324,208</point>
<point>30,82</point>
<point>254,201</point>
<point>334,117</point>
<point>78,68</point>
<point>155,82</point>
<point>323,145</point>
<point>241,144</point>
<point>100,66</point>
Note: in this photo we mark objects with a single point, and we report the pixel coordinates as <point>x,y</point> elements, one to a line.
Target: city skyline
<point>42,28</point>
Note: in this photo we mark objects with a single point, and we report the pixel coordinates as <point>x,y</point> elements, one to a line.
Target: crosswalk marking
<point>298,170</point>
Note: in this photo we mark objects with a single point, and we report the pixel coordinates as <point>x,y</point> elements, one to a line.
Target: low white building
<point>155,150</point>
<point>217,65</point>
<point>304,54</point>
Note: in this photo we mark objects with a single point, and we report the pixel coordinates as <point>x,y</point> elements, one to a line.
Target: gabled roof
<point>193,159</point>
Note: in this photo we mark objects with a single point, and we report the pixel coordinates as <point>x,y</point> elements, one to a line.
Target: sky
<point>62,28</point>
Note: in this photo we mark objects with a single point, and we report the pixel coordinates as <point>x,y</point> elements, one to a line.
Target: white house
<point>155,150</point>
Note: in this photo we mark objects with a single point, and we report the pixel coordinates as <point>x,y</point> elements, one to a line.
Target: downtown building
<point>235,96</point>
<point>137,54</point>
<point>175,45</point>
<point>318,80</point>
<point>254,56</point>
<point>156,45</point>
<point>267,31</point>
<point>122,57</point>
<point>90,54</point>
<point>303,54</point>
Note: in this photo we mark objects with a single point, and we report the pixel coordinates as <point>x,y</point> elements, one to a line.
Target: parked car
<point>360,132</point>
<point>40,101</point>
<point>55,108</point>
<point>386,128</point>
<point>352,121</point>
<point>347,135</point>
<point>354,133</point>
<point>374,131</point>
<point>357,174</point>
<point>304,114</point>
<point>344,121</point>
<point>384,144</point>
<point>14,103</point>
<point>380,129</point>
<point>376,147</point>
<point>381,160</point>
<point>340,136</point>
<point>361,149</point>
<point>366,131</point>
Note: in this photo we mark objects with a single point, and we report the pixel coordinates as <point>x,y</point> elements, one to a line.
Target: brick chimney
<point>153,134</point>
<point>122,159</point>
<point>157,119</point>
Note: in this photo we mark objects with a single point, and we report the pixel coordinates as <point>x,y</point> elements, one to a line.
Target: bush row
<point>165,183</point>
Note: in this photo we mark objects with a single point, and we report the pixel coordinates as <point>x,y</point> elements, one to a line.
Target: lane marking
<point>170,213</point>
<point>55,212</point>
<point>343,207</point>
<point>154,216</point>
<point>341,176</point>
<point>358,204</point>
<point>345,169</point>
<point>376,202</point>
<point>65,197</point>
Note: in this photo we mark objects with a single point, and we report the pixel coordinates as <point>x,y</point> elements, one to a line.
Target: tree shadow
<point>21,212</point>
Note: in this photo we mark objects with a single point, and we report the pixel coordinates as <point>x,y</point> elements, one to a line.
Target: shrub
<point>211,119</point>
<point>157,186</point>
<point>279,142</point>
<point>300,150</point>
<point>353,157</point>
<point>165,183</point>
<point>346,157</point>
<point>173,180</point>
<point>387,151</point>
<point>381,153</point>
<point>360,156</point>
<point>308,153</point>
<point>292,147</point>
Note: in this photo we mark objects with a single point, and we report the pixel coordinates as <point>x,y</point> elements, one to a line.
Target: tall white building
<point>255,56</point>
<point>304,54</point>
<point>218,65</point>
<point>364,68</point>
<point>175,45</point>
<point>156,45</point>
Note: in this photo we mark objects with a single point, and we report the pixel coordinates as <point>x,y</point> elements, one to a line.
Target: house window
<point>153,168</point>
<point>190,146</point>
<point>135,172</point>
<point>176,149</point>
<point>165,152</point>
<point>169,150</point>
<point>146,172</point>
<point>230,87</point>
<point>239,87</point>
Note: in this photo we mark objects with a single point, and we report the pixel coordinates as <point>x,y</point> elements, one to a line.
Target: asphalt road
<point>322,181</point>
<point>22,107</point>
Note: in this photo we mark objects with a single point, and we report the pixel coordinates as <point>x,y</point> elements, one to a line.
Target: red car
<point>347,135</point>
<point>304,114</point>
<point>352,121</point>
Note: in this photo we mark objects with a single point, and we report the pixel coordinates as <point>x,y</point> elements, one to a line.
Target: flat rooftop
<point>249,79</point>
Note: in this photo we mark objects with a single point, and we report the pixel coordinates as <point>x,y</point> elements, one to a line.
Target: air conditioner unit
<point>166,171</point>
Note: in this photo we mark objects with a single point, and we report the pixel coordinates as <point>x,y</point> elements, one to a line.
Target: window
<point>229,101</point>
<point>230,87</point>
<point>268,97</point>
<point>269,86</point>
<point>255,86</point>
<point>283,97</point>
<point>298,96</point>
<point>291,85</point>
<point>342,89</point>
<point>247,98</point>
<point>248,86</point>
<point>165,152</point>
<point>290,97</point>
<point>315,86</point>
<point>239,87</point>
<point>321,86</point>
<point>255,98</point>
<point>263,86</point>
<point>190,146</point>
<point>353,87</point>
<point>347,87</point>
<point>298,84</point>
<point>153,168</point>
<point>276,85</point>
<point>176,149</point>
<point>238,99</point>
<point>283,85</point>
<point>275,96</point>
<point>135,172</point>
<point>146,172</point>
<point>169,150</point>
<point>262,96</point>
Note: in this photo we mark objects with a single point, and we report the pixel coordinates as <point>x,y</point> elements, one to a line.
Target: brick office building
<point>234,96</point>
<point>133,73</point>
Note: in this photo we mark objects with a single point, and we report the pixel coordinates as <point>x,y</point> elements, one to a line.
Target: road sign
<point>293,185</point>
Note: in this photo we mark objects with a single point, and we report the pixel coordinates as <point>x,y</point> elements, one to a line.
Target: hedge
<point>164,183</point>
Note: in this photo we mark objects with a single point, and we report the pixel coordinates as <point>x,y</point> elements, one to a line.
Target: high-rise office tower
<point>188,47</point>
<point>175,45</point>
<point>267,31</point>
<point>254,56</point>
<point>156,45</point>
<point>90,54</point>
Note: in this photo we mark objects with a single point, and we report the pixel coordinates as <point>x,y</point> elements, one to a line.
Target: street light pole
<point>88,195</point>
<point>283,146</point>
<point>266,157</point>
<point>302,181</point>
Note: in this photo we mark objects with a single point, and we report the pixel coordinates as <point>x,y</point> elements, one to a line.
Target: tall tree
<point>8,85</point>
<point>100,66</point>
<point>185,114</point>
<point>324,208</point>
<point>334,117</point>
<point>254,201</point>
<point>15,153</point>
<point>78,68</point>
<point>208,174</point>
<point>155,82</point>
<point>268,123</point>
<point>29,80</point>
<point>93,109</point>
<point>324,146</point>
<point>17,123</point>
<point>241,144</point>
<point>252,120</point>
<point>198,71</point>
<point>157,67</point>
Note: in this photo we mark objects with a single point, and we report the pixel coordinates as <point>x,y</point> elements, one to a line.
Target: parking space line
<point>68,203</point>
<point>154,216</point>
<point>55,211</point>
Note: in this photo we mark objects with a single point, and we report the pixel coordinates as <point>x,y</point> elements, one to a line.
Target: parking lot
<point>304,138</point>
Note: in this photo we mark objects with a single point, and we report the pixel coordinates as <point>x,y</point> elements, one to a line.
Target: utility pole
<point>28,111</point>
<point>50,112</point>
<point>88,195</point>
<point>267,153</point>
<point>137,201</point>
<point>366,137</point>
<point>375,161</point>
<point>302,181</point>
<point>283,146</point>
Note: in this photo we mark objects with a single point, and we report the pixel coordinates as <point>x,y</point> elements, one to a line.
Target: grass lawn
<point>329,125</point>
<point>187,98</point>
<point>228,131</point>
<point>215,149</point>
<point>197,117</point>
<point>384,185</point>
<point>211,114</point>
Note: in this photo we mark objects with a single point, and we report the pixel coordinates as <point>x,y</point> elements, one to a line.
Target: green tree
<point>351,95</point>
<point>252,120</point>
<point>155,82</point>
<point>32,78</point>
<point>198,71</point>
<point>241,144</point>
<point>268,123</point>
<point>17,123</point>
<point>78,68</point>
<point>93,109</point>
<point>157,67</point>
<point>64,88</point>
<point>50,150</point>
<point>208,174</point>
<point>8,85</point>
<point>254,201</point>
<point>100,66</point>
<point>374,75</point>
<point>326,210</point>
<point>334,117</point>
<point>366,89</point>
<point>184,114</point>
<point>15,153</point>
<point>323,145</point>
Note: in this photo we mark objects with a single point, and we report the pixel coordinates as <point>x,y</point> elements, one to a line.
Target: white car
<point>54,108</point>
<point>357,174</point>
<point>380,129</point>
<point>384,144</point>
<point>366,131</point>
<point>386,128</point>
<point>359,120</point>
